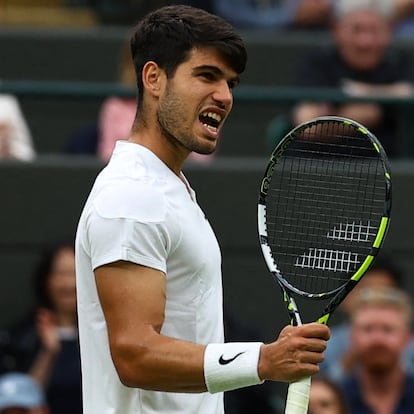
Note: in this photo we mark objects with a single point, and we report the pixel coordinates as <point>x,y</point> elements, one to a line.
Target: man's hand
<point>295,354</point>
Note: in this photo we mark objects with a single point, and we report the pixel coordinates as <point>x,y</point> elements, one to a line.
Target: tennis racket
<point>323,213</point>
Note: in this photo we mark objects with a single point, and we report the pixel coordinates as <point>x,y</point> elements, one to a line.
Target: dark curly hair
<point>167,36</point>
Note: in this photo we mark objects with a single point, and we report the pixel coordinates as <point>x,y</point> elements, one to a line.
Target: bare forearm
<point>160,363</point>
<point>167,364</point>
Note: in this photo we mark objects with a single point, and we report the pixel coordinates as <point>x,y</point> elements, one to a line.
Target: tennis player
<point>148,263</point>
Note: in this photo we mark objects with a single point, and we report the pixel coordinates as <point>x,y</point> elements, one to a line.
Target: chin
<point>379,369</point>
<point>207,149</point>
<point>365,66</point>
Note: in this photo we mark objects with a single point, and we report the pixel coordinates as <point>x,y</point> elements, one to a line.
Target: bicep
<point>132,298</point>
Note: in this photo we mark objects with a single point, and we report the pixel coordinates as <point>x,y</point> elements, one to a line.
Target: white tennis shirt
<point>140,211</point>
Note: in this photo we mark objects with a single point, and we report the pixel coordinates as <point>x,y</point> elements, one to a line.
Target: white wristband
<point>231,365</point>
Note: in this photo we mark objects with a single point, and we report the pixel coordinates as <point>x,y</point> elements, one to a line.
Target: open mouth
<point>210,120</point>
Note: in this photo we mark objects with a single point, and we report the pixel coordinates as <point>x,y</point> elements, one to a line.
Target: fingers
<point>296,353</point>
<point>309,330</point>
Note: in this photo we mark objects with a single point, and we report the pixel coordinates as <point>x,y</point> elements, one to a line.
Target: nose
<point>366,38</point>
<point>223,95</point>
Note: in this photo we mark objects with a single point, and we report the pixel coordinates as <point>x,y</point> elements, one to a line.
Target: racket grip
<point>298,397</point>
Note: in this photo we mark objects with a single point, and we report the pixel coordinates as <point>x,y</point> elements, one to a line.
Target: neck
<point>165,149</point>
<point>382,391</point>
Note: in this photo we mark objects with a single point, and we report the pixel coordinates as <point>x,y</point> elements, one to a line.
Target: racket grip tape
<point>298,397</point>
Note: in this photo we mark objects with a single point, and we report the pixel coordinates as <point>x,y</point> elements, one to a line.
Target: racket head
<point>324,207</point>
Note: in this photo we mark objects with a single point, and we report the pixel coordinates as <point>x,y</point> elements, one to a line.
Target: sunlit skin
<point>323,399</point>
<point>169,124</point>
<point>362,38</point>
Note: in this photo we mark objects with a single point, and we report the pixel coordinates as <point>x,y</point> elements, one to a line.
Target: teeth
<point>212,115</point>
<point>211,128</point>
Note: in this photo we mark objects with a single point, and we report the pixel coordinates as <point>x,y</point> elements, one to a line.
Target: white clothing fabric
<point>140,211</point>
<point>14,130</point>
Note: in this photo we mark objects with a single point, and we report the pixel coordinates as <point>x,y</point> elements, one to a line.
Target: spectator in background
<point>45,344</point>
<point>115,118</point>
<point>117,114</point>
<point>15,139</point>
<point>20,394</point>
<point>275,14</point>
<point>380,330</point>
<point>326,397</point>
<point>361,64</point>
<point>404,18</point>
<point>339,356</point>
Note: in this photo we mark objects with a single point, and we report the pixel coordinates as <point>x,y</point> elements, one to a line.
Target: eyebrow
<point>217,71</point>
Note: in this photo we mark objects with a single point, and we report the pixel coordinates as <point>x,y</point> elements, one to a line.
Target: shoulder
<point>9,105</point>
<point>350,384</point>
<point>410,381</point>
<point>8,100</point>
<point>131,199</point>
<point>397,62</point>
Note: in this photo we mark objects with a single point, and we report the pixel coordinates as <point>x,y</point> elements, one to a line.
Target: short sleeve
<point>127,222</point>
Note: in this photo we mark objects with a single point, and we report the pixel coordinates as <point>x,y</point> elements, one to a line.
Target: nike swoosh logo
<point>223,361</point>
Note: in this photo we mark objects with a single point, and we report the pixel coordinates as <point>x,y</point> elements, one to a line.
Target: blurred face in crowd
<point>324,399</point>
<point>362,37</point>
<point>62,281</point>
<point>379,334</point>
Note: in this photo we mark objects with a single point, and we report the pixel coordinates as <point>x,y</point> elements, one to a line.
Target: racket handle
<point>298,397</point>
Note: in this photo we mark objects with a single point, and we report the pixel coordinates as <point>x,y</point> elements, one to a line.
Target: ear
<point>152,78</point>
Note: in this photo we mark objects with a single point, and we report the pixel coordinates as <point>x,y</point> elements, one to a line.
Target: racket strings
<point>324,206</point>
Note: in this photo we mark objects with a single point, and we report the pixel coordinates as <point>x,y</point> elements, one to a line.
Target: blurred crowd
<point>360,62</point>
<point>369,365</point>
<point>44,343</point>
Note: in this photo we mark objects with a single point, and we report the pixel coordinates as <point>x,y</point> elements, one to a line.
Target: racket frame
<point>339,293</point>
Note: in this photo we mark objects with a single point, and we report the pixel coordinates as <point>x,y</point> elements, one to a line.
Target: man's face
<point>362,37</point>
<point>197,100</point>
<point>379,334</point>
<point>62,281</point>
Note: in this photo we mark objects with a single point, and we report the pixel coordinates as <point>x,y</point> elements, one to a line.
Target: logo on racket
<point>338,260</point>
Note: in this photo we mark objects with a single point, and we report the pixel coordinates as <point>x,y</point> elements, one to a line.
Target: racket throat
<point>293,310</point>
